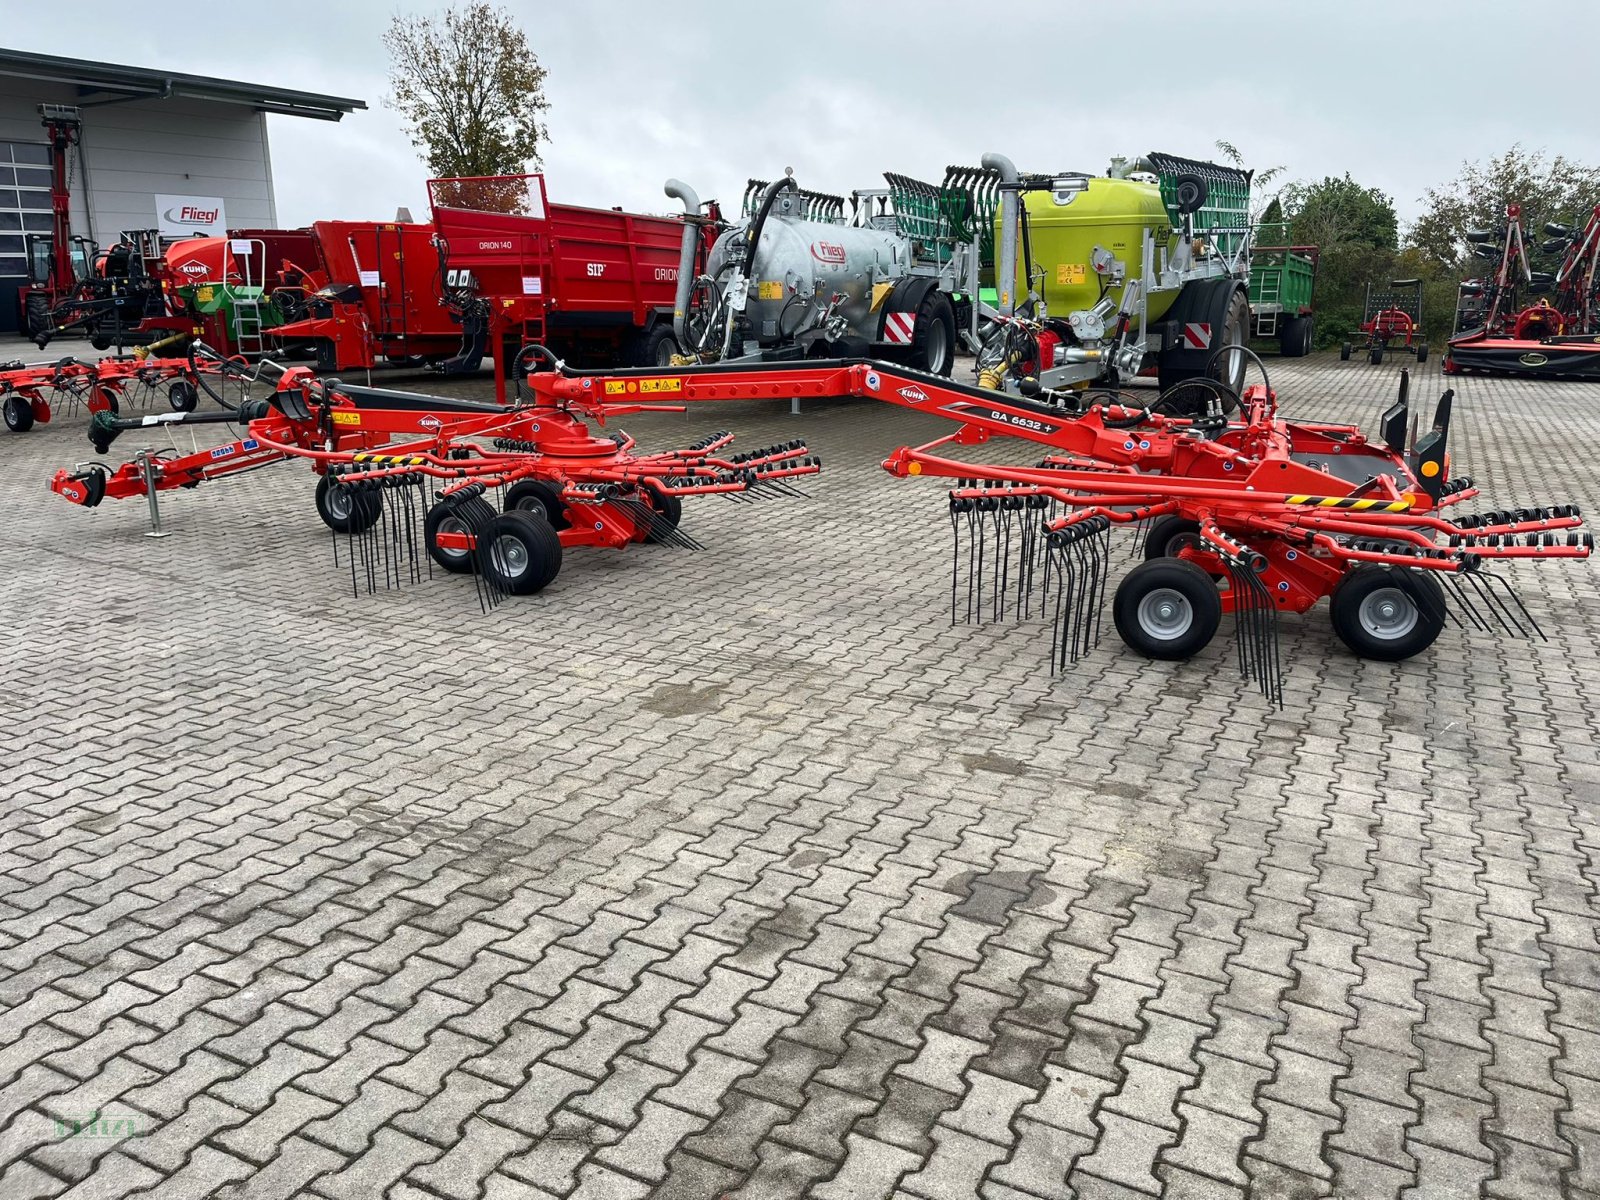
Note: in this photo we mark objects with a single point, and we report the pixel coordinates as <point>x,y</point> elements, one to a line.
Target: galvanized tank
<point>812,260</point>
<point>1065,227</point>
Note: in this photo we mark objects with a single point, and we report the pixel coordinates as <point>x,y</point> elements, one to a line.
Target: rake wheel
<point>540,498</point>
<point>1386,614</point>
<point>461,518</point>
<point>1167,608</point>
<point>519,553</point>
<point>346,511</point>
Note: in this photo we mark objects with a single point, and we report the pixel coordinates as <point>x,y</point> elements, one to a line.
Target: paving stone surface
<point>742,873</point>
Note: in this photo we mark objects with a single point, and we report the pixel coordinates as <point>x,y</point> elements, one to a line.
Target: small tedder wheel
<point>456,518</point>
<point>1386,613</point>
<point>522,553</point>
<point>1168,535</point>
<point>345,511</point>
<point>668,509</point>
<point>1422,352</point>
<point>1167,608</point>
<point>18,414</point>
<point>540,498</point>
<point>1345,351</point>
<point>183,396</point>
<point>1375,355</point>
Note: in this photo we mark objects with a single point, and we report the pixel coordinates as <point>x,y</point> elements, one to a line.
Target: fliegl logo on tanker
<point>828,252</point>
<point>643,387</point>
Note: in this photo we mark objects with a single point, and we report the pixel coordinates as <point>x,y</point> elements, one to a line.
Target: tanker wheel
<point>1167,608</point>
<point>540,498</point>
<point>1387,614</point>
<point>183,396</point>
<point>933,337</point>
<point>18,414</point>
<point>345,511</point>
<point>521,554</point>
<point>655,347</point>
<point>1345,351</point>
<point>668,509</point>
<point>454,518</point>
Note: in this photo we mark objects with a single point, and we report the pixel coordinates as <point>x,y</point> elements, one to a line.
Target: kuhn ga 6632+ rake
<point>1251,514</point>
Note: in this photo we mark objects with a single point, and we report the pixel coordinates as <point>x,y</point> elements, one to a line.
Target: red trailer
<point>596,285</point>
<point>379,298</point>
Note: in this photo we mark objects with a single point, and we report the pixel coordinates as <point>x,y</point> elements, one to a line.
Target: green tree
<point>1357,231</point>
<point>471,93</point>
<point>1548,189</point>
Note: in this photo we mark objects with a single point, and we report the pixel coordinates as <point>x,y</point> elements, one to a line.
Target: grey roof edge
<point>150,81</point>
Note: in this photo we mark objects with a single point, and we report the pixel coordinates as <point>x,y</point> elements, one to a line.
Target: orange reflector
<point>1430,469</point>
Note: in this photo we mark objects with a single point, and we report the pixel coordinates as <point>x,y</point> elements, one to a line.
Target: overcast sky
<point>842,90</point>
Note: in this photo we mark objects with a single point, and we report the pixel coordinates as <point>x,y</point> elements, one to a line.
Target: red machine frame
<point>1384,321</point>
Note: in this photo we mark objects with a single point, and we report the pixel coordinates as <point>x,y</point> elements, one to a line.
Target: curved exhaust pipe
<point>679,190</point>
<point>1006,269</point>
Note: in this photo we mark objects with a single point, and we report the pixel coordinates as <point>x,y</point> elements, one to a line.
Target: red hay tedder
<point>1391,315</point>
<point>1256,515</point>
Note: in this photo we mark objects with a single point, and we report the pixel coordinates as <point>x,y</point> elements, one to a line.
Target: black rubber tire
<point>346,511</point>
<point>36,316</point>
<point>100,341</point>
<point>655,347</point>
<point>1183,582</point>
<point>183,396</point>
<point>668,508</point>
<point>457,562</point>
<point>1345,351</point>
<point>18,414</point>
<point>1375,355</point>
<point>1164,532</point>
<point>1427,605</point>
<point>1292,339</point>
<point>1308,340</point>
<point>933,337</point>
<point>1191,193</point>
<point>1422,352</point>
<point>523,554</point>
<point>537,496</point>
<point>324,359</point>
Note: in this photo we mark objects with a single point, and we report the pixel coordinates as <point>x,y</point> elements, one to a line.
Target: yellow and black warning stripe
<point>392,460</point>
<point>1362,505</point>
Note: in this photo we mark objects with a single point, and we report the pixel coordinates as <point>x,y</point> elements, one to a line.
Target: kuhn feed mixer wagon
<point>1095,279</point>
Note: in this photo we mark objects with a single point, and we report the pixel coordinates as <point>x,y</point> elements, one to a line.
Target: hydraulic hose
<point>753,234</point>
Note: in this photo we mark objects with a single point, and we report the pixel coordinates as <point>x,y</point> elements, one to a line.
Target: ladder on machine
<point>249,328</point>
<point>1269,305</point>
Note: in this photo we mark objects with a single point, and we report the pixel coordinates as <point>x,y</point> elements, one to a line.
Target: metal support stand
<point>147,468</point>
<point>794,406</point>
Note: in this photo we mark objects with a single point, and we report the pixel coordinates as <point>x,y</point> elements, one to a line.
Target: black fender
<point>907,295</point>
<point>1201,300</point>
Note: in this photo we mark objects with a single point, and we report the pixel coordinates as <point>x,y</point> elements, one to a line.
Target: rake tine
<point>1505,586</point>
<point>1496,609</point>
<point>955,560</point>
<point>1467,606</point>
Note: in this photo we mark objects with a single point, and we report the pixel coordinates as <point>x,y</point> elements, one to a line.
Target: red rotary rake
<point>1254,516</point>
<point>28,394</point>
<point>378,452</point>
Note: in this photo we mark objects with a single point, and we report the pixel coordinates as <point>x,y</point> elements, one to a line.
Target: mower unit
<point>378,453</point>
<point>1391,315</point>
<point>1500,334</point>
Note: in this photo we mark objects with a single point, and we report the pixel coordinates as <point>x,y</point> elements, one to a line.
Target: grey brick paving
<point>741,873</point>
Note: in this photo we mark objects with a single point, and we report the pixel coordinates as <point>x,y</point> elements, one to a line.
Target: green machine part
<point>208,299</point>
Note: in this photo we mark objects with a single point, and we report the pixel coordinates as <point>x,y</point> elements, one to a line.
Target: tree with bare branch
<point>470,91</point>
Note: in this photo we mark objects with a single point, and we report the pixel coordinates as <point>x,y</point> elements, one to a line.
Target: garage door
<point>24,209</point>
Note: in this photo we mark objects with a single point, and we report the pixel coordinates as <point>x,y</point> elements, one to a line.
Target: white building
<point>197,143</point>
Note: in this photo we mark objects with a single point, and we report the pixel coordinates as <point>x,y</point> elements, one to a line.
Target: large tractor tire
<point>933,339</point>
<point>36,315</point>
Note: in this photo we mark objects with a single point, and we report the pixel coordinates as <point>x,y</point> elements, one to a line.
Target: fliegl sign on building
<point>190,216</point>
